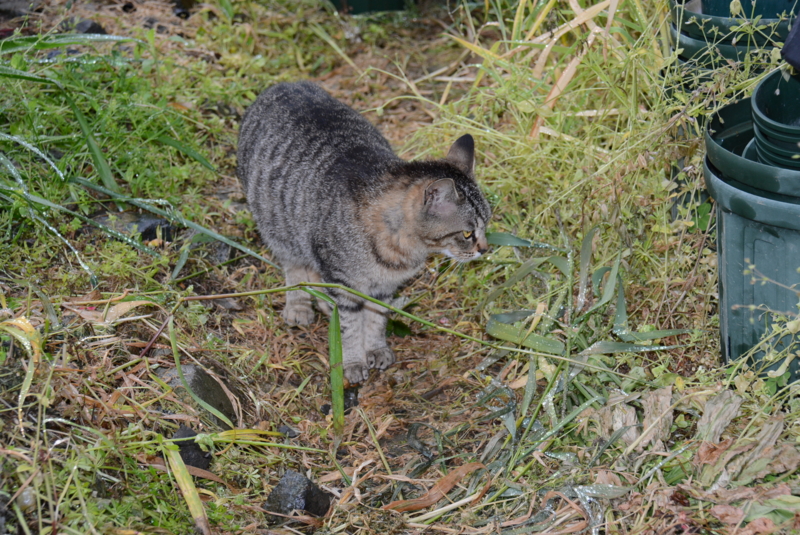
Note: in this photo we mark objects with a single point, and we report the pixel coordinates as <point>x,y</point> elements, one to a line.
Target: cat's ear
<point>441,198</point>
<point>462,154</point>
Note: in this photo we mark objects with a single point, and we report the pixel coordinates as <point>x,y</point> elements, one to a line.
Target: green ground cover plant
<point>569,381</point>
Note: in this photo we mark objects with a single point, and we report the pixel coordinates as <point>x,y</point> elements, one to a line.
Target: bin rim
<point>682,12</point>
<point>768,124</point>
<point>748,205</point>
<point>736,117</point>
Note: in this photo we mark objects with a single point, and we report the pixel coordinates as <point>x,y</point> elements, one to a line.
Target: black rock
<point>143,223</point>
<point>191,453</point>
<point>204,386</point>
<point>89,26</point>
<point>288,431</point>
<point>295,492</point>
<point>17,8</point>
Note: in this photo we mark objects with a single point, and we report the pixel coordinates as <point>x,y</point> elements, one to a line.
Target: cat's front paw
<point>380,358</point>
<point>356,372</point>
<point>298,314</point>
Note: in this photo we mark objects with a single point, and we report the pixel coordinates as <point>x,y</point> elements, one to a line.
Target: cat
<point>334,204</point>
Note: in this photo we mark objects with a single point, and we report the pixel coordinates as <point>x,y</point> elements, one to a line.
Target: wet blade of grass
<point>34,150</point>
<point>336,362</point>
<point>100,163</point>
<point>583,277</point>
<point>16,74</point>
<point>532,340</point>
<point>621,325</point>
<point>504,238</point>
<point>45,42</point>
<point>166,140</point>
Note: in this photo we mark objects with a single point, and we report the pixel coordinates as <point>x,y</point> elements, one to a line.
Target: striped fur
<point>334,204</point>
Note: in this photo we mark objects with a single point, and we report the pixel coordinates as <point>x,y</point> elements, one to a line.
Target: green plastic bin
<point>355,7</point>
<point>754,226</point>
<point>768,9</point>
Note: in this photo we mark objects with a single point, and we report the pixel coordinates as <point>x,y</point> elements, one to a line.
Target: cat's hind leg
<point>298,309</point>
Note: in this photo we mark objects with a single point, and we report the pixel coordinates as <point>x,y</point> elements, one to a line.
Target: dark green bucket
<point>690,18</point>
<point>768,9</point>
<point>354,7</point>
<point>755,226</point>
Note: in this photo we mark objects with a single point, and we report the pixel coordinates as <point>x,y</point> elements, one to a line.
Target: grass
<point>558,384</point>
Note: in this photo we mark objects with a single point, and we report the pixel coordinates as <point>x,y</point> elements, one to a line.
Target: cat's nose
<point>483,246</point>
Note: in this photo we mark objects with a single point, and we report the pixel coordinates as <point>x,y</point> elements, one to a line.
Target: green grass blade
<point>583,276</point>
<point>608,290</point>
<point>34,150</point>
<point>336,362</point>
<point>100,163</point>
<point>530,387</point>
<point>173,218</point>
<point>39,42</point>
<point>606,347</point>
<point>166,140</point>
<point>560,425</point>
<point>517,276</point>
<point>561,263</point>
<point>621,324</point>
<point>531,341</point>
<point>9,72</point>
<point>512,317</point>
<point>504,238</point>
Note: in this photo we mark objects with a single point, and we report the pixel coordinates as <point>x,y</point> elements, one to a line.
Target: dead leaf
<point>708,453</point>
<point>94,295</point>
<point>717,415</point>
<point>727,514</point>
<point>606,477</point>
<point>439,490</point>
<point>119,310</point>
<point>764,441</point>
<point>759,526</point>
<point>624,415</point>
<point>657,418</point>
<point>784,458</point>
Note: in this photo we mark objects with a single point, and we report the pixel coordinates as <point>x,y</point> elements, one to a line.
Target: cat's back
<point>300,126</point>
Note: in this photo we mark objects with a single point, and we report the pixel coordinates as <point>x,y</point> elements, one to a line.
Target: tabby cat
<point>335,204</point>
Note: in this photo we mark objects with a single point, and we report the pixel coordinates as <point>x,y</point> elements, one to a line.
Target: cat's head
<point>455,212</point>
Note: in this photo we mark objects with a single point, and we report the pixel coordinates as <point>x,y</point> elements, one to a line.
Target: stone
<point>204,386</point>
<point>143,223</point>
<point>295,492</point>
<point>191,453</point>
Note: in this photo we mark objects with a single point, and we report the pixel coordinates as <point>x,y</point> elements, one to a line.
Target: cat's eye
<point>467,233</point>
